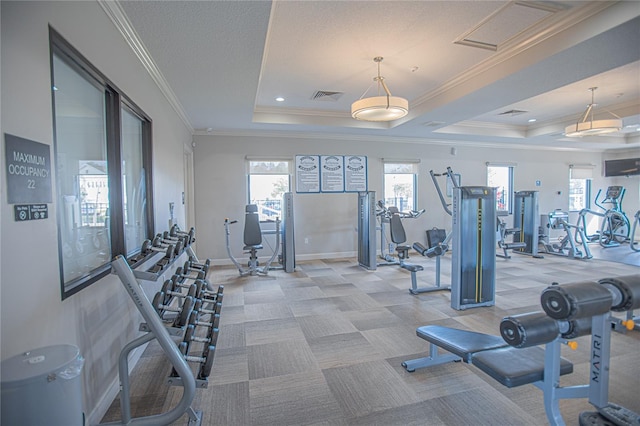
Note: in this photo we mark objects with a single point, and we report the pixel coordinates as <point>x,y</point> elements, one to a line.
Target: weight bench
<point>491,354</point>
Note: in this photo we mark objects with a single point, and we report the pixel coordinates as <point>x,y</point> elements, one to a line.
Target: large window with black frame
<point>102,145</point>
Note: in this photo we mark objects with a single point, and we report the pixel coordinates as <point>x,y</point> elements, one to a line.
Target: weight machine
<point>615,225</point>
<point>473,265</point>
<point>368,213</point>
<point>526,221</point>
<point>559,219</point>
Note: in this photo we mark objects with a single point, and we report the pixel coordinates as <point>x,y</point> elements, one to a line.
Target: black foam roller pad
<point>577,328</point>
<point>530,329</point>
<point>629,289</point>
<point>576,300</point>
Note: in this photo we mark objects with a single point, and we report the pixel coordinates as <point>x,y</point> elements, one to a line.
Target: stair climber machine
<point>473,240</point>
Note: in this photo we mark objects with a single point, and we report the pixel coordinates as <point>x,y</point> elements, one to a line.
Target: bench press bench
<point>508,365</point>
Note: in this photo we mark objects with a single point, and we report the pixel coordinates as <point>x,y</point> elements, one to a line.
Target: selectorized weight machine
<point>526,220</point>
<point>253,240</point>
<point>473,242</point>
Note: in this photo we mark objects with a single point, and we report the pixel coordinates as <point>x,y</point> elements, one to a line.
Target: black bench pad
<point>515,367</point>
<point>460,342</point>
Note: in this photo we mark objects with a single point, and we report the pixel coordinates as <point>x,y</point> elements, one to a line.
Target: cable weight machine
<point>473,265</point>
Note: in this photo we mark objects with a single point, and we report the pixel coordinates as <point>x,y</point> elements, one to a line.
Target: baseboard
<point>98,412</point>
<point>299,257</point>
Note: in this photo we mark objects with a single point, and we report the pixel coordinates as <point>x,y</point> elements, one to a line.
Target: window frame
<point>587,194</point>
<point>114,99</point>
<point>250,160</point>
<point>508,190</point>
<point>413,165</point>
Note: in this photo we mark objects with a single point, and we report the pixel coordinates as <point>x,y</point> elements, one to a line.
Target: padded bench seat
<point>516,367</point>
<point>462,343</point>
<point>412,267</point>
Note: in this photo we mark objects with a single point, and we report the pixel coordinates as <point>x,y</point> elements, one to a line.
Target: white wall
<point>328,221</point>
<point>100,319</point>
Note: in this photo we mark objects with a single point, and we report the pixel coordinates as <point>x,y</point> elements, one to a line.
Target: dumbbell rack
<point>158,331</point>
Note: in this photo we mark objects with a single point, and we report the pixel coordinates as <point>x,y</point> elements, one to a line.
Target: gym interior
<point>330,340</point>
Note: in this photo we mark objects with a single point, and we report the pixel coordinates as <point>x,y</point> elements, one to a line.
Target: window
<point>102,152</point>
<point>501,177</point>
<point>579,187</point>
<point>400,185</point>
<point>268,181</point>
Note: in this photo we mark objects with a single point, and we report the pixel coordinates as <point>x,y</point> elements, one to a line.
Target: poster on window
<point>307,173</point>
<point>332,173</point>
<point>355,173</point>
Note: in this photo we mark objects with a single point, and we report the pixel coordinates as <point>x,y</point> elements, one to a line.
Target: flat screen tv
<point>625,167</point>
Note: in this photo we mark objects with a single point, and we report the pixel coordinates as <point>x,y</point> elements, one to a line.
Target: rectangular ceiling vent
<point>326,95</point>
<point>512,112</point>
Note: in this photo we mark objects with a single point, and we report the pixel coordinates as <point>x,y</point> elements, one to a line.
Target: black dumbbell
<point>189,266</point>
<point>194,262</point>
<point>210,339</point>
<point>182,275</point>
<point>195,321</point>
<point>170,290</point>
<point>175,231</point>
<point>184,311</point>
<point>158,241</point>
<point>205,360</point>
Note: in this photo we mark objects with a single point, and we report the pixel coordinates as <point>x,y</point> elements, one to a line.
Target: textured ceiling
<point>227,61</point>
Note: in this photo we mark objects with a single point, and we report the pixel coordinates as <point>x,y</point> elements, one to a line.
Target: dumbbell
<point>175,231</point>
<point>210,339</point>
<point>205,361</point>
<point>211,325</point>
<point>158,241</point>
<point>165,236</point>
<point>194,290</point>
<point>166,260</point>
<point>184,312</point>
<point>148,247</point>
<point>183,274</point>
<point>190,266</point>
<point>170,290</point>
<point>197,306</point>
<point>205,294</point>
<point>195,264</point>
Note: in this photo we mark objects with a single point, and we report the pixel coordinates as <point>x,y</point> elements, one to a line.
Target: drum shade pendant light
<point>587,126</point>
<point>379,108</point>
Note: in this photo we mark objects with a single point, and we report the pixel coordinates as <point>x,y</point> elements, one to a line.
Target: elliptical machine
<point>615,225</point>
<point>252,242</point>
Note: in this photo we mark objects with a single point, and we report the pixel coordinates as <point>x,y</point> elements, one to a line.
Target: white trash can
<point>42,387</point>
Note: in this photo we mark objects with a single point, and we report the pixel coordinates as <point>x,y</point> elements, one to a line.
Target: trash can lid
<point>36,364</point>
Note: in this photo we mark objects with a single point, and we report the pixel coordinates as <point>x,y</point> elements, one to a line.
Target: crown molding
<point>119,18</point>
<point>393,139</point>
<point>555,24</point>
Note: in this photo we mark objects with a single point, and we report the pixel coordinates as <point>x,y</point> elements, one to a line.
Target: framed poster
<point>307,173</point>
<point>355,173</point>
<point>332,173</point>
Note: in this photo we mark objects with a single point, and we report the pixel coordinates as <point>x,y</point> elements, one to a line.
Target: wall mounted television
<point>625,167</point>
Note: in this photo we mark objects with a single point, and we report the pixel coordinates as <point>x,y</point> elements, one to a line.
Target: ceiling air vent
<point>325,95</point>
<point>513,112</point>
